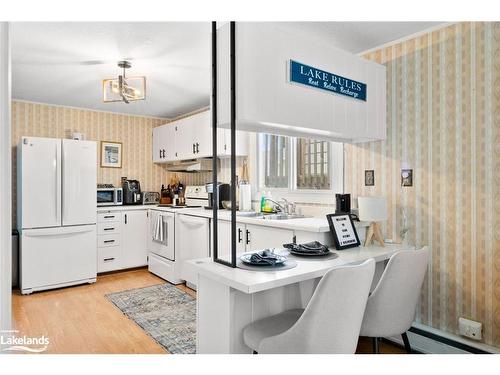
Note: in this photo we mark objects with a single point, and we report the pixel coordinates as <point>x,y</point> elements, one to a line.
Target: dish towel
<point>158,236</point>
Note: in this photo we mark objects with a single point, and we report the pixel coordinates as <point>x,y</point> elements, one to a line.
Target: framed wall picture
<point>369,177</point>
<point>343,231</point>
<point>111,154</point>
<point>406,177</point>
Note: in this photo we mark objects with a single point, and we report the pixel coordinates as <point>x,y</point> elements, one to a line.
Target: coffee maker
<point>342,203</point>
<point>224,194</point>
<point>131,192</point>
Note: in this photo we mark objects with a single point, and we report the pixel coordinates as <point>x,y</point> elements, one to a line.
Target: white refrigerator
<point>56,212</point>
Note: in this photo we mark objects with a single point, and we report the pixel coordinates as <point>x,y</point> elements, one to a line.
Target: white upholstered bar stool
<point>391,306</point>
<point>330,323</point>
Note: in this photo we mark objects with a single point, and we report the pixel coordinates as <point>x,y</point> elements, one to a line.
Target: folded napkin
<point>313,247</point>
<point>265,256</point>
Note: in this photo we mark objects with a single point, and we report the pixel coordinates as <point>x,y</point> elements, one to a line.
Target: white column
<point>5,181</point>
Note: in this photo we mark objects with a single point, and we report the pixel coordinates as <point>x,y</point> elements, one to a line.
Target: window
<point>275,151</point>
<point>313,164</point>
<point>299,164</point>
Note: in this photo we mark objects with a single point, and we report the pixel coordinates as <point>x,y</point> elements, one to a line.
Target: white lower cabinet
<point>224,239</point>
<point>135,231</point>
<point>250,237</point>
<point>259,237</point>
<point>122,239</point>
<point>192,241</point>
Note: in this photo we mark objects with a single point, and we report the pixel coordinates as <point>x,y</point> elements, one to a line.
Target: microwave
<point>109,196</point>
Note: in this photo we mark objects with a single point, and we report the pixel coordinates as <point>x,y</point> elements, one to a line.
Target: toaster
<point>150,197</point>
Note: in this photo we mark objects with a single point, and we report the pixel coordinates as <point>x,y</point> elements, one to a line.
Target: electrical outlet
<point>470,328</point>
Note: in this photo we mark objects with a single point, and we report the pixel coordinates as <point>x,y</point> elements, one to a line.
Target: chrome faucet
<point>285,207</point>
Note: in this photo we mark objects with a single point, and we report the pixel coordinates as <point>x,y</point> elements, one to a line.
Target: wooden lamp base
<point>373,233</point>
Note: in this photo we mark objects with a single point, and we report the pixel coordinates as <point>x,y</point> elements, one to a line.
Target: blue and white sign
<point>309,76</point>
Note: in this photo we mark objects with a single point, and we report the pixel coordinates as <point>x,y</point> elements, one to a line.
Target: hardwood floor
<point>365,346</point>
<point>80,319</point>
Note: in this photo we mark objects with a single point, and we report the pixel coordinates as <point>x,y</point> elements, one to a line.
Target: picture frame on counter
<point>111,154</point>
<point>343,231</point>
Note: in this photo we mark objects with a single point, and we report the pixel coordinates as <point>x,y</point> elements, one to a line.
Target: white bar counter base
<point>230,298</point>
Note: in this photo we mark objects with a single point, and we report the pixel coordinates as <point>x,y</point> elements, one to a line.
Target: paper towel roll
<point>245,197</point>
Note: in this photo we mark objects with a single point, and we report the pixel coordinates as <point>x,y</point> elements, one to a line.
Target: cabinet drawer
<point>106,240</point>
<point>108,228</point>
<point>106,217</point>
<point>108,259</point>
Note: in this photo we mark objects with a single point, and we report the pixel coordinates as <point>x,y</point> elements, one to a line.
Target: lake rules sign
<point>309,76</point>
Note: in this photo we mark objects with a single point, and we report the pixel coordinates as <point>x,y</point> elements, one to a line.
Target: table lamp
<point>373,209</point>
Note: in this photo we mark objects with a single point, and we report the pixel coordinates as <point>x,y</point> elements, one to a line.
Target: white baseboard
<point>428,345</point>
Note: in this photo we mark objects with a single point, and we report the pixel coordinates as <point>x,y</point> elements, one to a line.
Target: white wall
<point>5,181</point>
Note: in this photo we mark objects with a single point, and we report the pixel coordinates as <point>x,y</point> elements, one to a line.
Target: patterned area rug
<point>166,313</point>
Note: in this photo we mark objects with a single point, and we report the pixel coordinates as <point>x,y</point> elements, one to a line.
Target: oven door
<point>162,234</point>
<point>106,197</point>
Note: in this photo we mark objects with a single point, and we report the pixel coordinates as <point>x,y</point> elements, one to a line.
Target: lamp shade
<point>372,208</point>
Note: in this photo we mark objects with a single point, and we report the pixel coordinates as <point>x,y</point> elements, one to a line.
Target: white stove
<point>196,196</point>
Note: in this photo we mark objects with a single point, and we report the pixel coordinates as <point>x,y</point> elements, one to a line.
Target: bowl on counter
<point>227,205</point>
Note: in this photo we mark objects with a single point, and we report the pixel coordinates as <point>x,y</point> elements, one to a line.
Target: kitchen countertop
<point>307,224</point>
<point>256,281</point>
<point>125,207</point>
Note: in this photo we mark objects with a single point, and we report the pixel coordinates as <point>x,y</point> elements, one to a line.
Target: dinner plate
<point>309,253</point>
<point>246,258</point>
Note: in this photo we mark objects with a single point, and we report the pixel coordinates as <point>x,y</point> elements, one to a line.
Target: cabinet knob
<point>194,149</point>
<point>197,147</point>
<point>248,236</point>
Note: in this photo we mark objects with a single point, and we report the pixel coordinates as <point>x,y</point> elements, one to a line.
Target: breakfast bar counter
<point>230,298</point>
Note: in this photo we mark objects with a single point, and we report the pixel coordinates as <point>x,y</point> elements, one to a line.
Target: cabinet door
<point>134,238</point>
<point>260,237</point>
<point>157,145</point>
<point>184,139</point>
<point>224,240</point>
<point>202,135</point>
<point>224,148</point>
<point>192,241</point>
<point>168,137</point>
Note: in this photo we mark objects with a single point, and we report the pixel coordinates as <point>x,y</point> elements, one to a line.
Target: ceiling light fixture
<point>124,89</point>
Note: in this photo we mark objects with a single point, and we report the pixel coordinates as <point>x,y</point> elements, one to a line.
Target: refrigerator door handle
<point>57,166</point>
<point>58,231</point>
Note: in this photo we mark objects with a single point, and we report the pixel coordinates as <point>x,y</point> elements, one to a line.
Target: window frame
<point>336,169</point>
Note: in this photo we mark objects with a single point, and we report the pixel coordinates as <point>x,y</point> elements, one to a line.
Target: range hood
<point>193,165</point>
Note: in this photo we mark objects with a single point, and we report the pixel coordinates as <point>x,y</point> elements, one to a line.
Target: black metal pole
<point>232,37</point>
<point>215,190</point>
<point>215,193</point>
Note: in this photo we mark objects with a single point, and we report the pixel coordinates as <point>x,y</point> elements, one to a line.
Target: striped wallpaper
<point>443,121</point>
<point>135,133</point>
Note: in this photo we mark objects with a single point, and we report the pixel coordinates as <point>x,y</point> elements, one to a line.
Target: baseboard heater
<point>429,341</point>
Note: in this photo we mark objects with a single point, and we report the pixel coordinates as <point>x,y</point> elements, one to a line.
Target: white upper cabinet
<point>164,143</point>
<point>191,138</point>
<point>269,99</point>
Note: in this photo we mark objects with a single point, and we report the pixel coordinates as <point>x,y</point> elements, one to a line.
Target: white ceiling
<point>64,62</point>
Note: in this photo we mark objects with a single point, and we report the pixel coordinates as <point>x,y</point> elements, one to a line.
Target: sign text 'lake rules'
<point>307,75</point>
